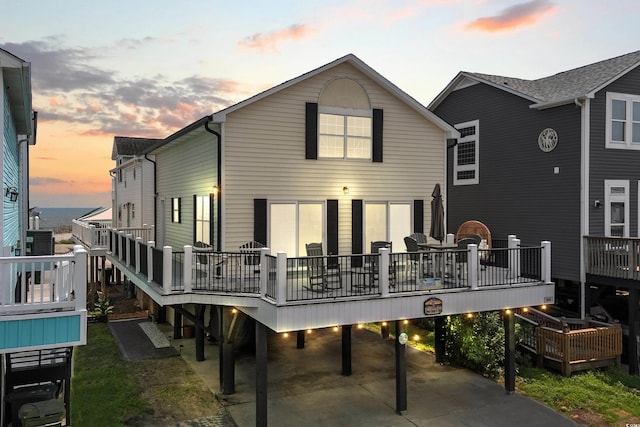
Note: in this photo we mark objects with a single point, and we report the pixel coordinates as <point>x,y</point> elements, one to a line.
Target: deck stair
<point>569,345</point>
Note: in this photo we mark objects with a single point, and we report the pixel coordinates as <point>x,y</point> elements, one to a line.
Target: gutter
<point>218,183</point>
<point>155,196</point>
<point>551,104</point>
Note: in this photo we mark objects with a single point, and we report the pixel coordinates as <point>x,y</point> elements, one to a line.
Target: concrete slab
<point>305,387</point>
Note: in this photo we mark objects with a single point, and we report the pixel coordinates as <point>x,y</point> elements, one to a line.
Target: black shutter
<point>332,227</point>
<point>377,135</point>
<point>179,210</point>
<point>260,220</point>
<point>418,216</point>
<point>356,232</point>
<point>311,131</point>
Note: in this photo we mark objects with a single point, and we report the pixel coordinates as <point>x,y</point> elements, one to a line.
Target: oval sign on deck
<point>432,306</point>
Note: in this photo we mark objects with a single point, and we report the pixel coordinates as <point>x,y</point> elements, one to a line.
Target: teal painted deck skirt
<point>42,332</point>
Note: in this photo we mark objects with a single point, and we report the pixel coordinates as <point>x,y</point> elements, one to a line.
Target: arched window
<point>344,121</point>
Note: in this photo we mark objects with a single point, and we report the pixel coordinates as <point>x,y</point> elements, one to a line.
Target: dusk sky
<point>148,68</point>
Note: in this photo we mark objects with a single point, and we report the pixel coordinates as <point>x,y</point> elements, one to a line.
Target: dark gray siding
<point>518,192</point>
<point>611,163</point>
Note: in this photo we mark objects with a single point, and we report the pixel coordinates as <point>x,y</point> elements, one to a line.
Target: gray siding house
<point>554,158</point>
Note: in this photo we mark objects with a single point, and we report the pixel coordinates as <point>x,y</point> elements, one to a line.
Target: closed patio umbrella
<point>437,215</point>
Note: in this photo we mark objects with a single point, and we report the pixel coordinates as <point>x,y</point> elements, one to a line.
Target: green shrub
<point>477,342</point>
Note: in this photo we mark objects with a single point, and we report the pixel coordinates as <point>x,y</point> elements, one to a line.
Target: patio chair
<point>419,237</point>
<point>250,263</point>
<point>322,276</point>
<point>413,254</point>
<point>375,260</point>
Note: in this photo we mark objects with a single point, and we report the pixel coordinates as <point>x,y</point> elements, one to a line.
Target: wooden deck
<point>570,345</point>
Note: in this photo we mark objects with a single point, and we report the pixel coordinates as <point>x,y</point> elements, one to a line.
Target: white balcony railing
<point>32,284</point>
<point>285,279</point>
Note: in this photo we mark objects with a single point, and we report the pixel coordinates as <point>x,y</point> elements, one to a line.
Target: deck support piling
<point>227,358</point>
<point>199,332</point>
<point>634,329</point>
<point>261,375</point>
<point>440,338</point>
<point>384,330</point>
<point>401,372</point>
<point>346,350</point>
<point>300,339</point>
<point>509,352</point>
<point>177,324</point>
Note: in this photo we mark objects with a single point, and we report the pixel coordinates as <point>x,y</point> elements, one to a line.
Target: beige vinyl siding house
<point>185,169</point>
<point>133,183</point>
<point>272,192</point>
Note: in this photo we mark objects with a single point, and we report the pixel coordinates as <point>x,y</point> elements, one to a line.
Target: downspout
<point>155,199</point>
<point>219,186</point>
<point>585,137</point>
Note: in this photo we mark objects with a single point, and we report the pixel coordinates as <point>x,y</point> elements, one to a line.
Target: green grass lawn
<point>611,394</point>
<point>104,391</point>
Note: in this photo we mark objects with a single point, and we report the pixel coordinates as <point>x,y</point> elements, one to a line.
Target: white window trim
<point>627,144</point>
<point>345,112</point>
<point>476,166</point>
<point>608,199</point>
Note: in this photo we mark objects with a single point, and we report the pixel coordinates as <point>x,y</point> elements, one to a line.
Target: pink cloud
<point>268,42</point>
<point>513,16</point>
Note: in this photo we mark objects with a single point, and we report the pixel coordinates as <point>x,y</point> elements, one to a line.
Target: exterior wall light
<point>345,190</point>
<point>11,193</point>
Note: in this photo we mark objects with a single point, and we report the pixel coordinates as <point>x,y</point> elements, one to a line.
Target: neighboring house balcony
<point>43,301</point>
<point>612,260</point>
<point>295,293</point>
<point>94,236</point>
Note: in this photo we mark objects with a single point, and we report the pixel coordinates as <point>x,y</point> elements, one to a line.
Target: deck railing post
<point>80,277</point>
<point>514,257</point>
<point>546,262</point>
<point>187,270</point>
<point>150,246</point>
<point>264,271</point>
<point>281,278</point>
<point>138,242</point>
<point>91,235</point>
<point>472,266</point>
<point>383,274</point>
<point>167,255</point>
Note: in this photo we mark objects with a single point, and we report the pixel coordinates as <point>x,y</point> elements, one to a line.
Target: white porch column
<point>281,278</point>
<point>151,244</point>
<point>167,256</point>
<point>514,257</point>
<point>80,277</point>
<point>92,229</point>
<point>546,261</point>
<point>383,274</point>
<point>187,272</point>
<point>472,265</point>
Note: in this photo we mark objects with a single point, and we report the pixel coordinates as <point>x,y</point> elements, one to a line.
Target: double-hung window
<point>344,134</point>
<point>176,205</point>
<point>465,154</point>
<point>623,121</point>
<point>616,214</point>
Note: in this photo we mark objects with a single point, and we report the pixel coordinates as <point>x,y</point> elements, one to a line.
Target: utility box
<point>44,413</point>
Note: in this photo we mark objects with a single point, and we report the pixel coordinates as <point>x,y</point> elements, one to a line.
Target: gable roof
<point>353,60</point>
<point>558,89</point>
<point>129,146</point>
<point>220,116</point>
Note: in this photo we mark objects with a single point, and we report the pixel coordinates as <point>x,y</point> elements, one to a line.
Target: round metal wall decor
<point>548,140</point>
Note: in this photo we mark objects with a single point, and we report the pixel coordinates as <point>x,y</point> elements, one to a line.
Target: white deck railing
<point>32,284</point>
<point>97,235</point>
<point>285,279</point>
